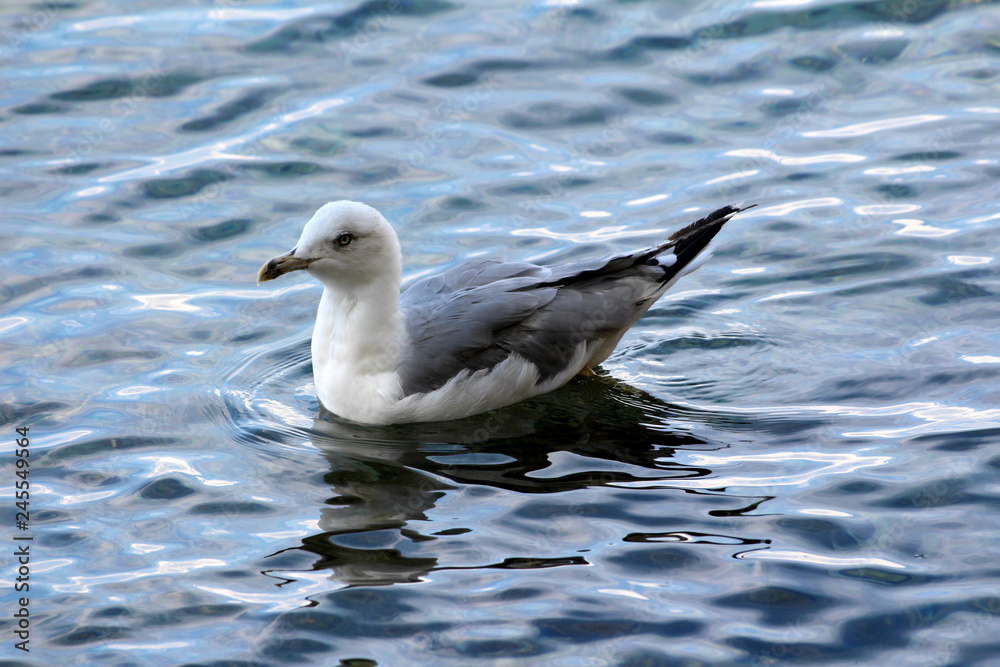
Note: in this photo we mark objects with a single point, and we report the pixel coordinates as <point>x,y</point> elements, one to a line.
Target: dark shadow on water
<point>295,36</point>
<point>383,479</point>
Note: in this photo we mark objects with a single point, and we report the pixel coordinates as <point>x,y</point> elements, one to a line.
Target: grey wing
<point>580,315</point>
<point>472,274</point>
<point>453,319</point>
<point>476,315</point>
<point>454,329</point>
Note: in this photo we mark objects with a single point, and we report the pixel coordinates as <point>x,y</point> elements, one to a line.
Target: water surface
<point>790,460</point>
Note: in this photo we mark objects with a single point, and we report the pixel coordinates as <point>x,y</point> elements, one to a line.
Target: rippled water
<point>796,465</point>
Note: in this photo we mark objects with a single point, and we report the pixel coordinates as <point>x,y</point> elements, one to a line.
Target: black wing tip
<point>718,218</point>
<point>689,242</point>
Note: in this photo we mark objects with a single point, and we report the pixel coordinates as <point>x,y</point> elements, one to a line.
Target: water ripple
<point>790,459</point>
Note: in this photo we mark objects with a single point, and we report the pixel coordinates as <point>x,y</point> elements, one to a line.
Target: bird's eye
<point>344,240</point>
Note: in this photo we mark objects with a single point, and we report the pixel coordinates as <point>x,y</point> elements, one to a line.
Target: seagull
<point>477,337</point>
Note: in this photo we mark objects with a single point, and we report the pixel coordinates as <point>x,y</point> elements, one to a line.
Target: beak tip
<point>279,266</point>
<point>262,275</point>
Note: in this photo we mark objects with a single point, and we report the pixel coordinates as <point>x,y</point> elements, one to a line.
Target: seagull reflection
<point>385,479</point>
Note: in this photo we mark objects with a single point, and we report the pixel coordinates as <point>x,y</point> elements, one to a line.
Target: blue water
<point>792,459</point>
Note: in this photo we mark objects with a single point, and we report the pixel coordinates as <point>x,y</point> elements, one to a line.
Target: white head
<point>346,244</point>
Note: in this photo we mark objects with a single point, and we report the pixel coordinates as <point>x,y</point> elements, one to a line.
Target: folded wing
<point>478,314</point>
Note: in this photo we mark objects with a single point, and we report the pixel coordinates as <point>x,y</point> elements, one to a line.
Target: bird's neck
<point>359,330</point>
